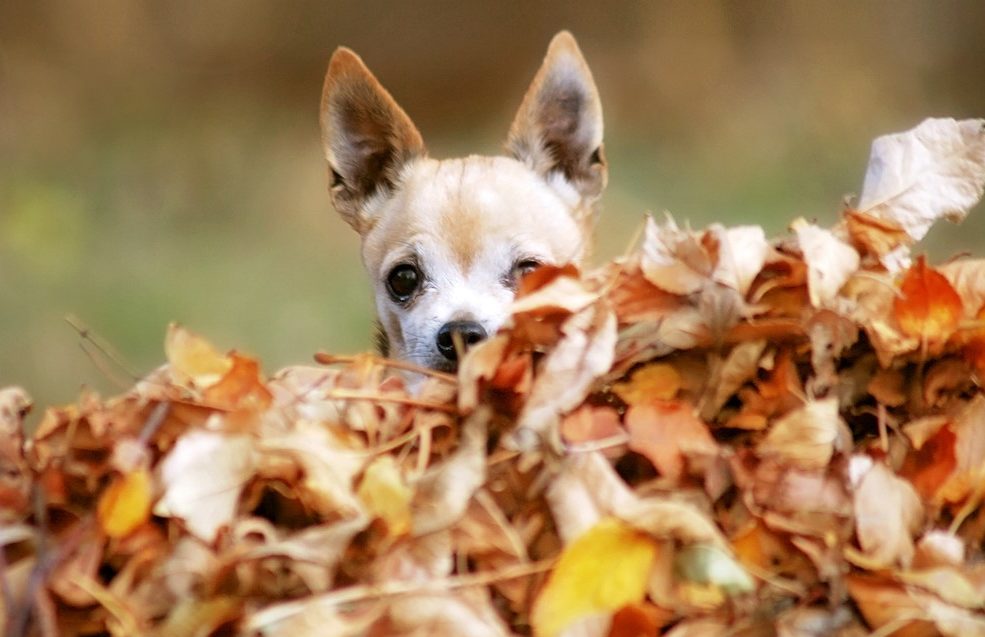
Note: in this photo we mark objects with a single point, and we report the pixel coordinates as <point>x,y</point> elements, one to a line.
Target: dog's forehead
<point>475,204</point>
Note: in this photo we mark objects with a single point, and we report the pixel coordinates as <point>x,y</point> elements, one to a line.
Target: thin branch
<point>107,351</point>
<point>154,421</point>
<point>345,394</point>
<point>324,358</point>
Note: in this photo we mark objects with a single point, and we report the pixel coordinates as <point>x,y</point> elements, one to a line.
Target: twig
<point>601,444</point>
<point>883,433</point>
<point>115,606</point>
<point>776,582</point>
<point>106,350</point>
<point>894,624</point>
<point>344,394</point>
<point>403,439</point>
<point>487,502</point>
<point>324,358</point>
<point>485,578</point>
<point>154,421</point>
<point>635,239</point>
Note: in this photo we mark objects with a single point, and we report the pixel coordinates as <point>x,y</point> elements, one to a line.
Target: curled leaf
<point>934,170</point>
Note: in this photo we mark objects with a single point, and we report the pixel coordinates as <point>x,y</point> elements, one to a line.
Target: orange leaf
<point>658,381</point>
<point>241,387</point>
<point>929,467</point>
<point>639,620</point>
<point>194,361</point>
<point>974,342</point>
<point>928,307</point>
<point>885,602</point>
<point>666,433</point>
<point>125,505</point>
<point>589,423</point>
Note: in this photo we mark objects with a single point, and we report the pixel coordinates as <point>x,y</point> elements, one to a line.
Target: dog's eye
<point>524,267</point>
<point>402,282</point>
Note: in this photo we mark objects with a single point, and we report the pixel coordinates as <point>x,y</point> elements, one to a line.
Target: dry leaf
<point>588,424</point>
<point>202,479</point>
<point>601,571</point>
<point>667,433</point>
<point>193,361</point>
<point>830,261</point>
<point>741,254</point>
<point>806,437</point>
<point>888,513</point>
<point>872,235</point>
<point>674,260</point>
<point>928,308</point>
<point>658,381</point>
<point>385,495</point>
<point>932,171</point>
<point>126,503</point>
<point>584,353</point>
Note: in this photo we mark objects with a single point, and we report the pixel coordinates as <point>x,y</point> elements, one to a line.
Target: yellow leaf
<point>385,494</point>
<point>193,359</point>
<point>125,505</point>
<point>601,571</point>
<point>659,381</point>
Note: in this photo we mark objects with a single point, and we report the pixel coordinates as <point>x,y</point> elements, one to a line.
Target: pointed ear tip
<point>563,40</point>
<point>344,59</point>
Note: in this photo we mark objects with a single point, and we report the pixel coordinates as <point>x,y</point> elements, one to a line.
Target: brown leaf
<point>808,436</point>
<point>873,235</point>
<point>567,373</point>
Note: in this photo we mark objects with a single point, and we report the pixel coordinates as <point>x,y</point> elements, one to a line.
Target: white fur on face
<point>465,223</point>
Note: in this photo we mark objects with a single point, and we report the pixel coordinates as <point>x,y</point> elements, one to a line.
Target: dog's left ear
<point>559,125</point>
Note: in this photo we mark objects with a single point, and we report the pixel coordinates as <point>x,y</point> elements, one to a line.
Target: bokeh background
<point>160,161</point>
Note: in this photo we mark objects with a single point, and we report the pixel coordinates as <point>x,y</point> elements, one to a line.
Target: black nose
<point>469,332</point>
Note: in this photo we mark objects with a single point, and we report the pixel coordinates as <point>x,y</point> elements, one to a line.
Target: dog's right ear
<point>367,137</point>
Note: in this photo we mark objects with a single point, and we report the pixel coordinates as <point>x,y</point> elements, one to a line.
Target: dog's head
<point>445,242</point>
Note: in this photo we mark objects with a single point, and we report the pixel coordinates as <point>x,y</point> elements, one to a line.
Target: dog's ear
<point>559,125</point>
<point>367,137</point>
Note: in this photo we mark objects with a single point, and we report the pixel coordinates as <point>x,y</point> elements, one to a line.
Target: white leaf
<point>830,261</point>
<point>202,477</point>
<point>934,170</point>
<point>888,512</point>
<point>673,259</point>
<point>741,255</point>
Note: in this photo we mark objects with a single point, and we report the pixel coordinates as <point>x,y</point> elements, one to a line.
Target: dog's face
<point>445,242</point>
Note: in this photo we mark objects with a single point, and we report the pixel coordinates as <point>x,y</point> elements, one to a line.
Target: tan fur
<point>467,223</point>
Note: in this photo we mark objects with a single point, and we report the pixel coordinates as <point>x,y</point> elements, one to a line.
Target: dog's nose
<point>469,332</point>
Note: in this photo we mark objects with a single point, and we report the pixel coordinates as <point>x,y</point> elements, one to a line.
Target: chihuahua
<point>446,241</point>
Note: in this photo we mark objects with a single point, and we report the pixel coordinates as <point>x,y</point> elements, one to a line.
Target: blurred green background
<point>160,161</point>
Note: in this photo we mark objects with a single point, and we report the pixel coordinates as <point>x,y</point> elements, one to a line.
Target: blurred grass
<point>162,163</point>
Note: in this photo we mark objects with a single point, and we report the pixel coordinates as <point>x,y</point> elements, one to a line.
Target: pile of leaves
<point>714,435</point>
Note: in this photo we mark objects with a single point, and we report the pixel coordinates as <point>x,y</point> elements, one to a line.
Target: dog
<point>445,242</point>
